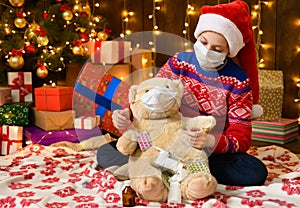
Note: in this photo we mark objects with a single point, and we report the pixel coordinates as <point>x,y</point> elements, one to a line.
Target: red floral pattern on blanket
<point>40,176</point>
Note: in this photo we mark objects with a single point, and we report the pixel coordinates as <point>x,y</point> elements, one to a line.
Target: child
<point>221,88</point>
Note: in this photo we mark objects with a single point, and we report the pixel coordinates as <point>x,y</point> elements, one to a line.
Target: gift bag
<point>271,94</point>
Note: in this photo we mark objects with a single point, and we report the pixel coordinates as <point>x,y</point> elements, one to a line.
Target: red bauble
<point>46,15</point>
<point>84,36</point>
<point>84,14</point>
<point>29,49</point>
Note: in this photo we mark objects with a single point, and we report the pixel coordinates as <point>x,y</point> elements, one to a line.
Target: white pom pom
<point>257,111</point>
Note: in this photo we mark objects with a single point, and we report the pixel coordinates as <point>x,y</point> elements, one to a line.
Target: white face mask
<point>208,59</point>
<point>159,99</point>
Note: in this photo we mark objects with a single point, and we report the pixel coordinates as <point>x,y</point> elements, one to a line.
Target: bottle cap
<point>127,183</point>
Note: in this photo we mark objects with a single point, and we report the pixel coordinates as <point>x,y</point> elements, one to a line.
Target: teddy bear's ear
<point>132,93</point>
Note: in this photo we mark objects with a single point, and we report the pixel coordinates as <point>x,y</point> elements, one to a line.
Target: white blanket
<point>40,176</point>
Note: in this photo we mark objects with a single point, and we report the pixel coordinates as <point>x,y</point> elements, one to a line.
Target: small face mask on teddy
<point>208,59</point>
<point>159,99</point>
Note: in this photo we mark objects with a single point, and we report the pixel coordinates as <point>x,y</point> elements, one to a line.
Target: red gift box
<point>12,139</point>
<point>109,52</point>
<point>99,93</point>
<point>21,86</point>
<point>107,124</point>
<point>53,98</point>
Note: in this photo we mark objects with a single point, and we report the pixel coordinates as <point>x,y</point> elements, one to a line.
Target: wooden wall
<point>278,23</point>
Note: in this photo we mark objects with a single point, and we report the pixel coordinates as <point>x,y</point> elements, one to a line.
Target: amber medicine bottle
<point>128,195</point>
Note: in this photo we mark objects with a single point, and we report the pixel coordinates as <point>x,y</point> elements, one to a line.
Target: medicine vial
<point>128,195</point>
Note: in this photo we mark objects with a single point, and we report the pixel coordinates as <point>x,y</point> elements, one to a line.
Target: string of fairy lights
<point>257,14</point>
<point>189,11</point>
<point>297,100</point>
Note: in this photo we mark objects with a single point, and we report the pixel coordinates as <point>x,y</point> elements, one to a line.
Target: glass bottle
<point>128,195</point>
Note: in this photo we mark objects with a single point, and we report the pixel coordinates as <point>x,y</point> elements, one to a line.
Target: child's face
<point>214,41</point>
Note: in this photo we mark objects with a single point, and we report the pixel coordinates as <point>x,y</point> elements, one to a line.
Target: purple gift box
<point>37,135</point>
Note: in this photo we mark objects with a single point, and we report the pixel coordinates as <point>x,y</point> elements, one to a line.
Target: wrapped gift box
<point>271,94</point>
<point>84,106</point>
<point>109,52</point>
<point>36,135</point>
<point>11,139</point>
<point>86,122</point>
<point>15,114</point>
<point>52,120</point>
<point>120,71</point>
<point>106,121</point>
<point>280,131</point>
<point>5,95</point>
<point>104,90</point>
<point>53,98</point>
<point>21,86</point>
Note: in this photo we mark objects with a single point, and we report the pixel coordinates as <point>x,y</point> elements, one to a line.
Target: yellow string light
<point>297,100</point>
<point>186,32</point>
<point>126,15</point>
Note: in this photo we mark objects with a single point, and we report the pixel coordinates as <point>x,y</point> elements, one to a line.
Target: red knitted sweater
<point>225,94</point>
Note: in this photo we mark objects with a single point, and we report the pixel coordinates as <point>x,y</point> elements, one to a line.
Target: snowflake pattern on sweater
<point>225,94</point>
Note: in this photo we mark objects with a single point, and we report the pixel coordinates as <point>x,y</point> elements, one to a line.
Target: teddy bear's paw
<point>198,186</point>
<point>150,188</point>
<point>74,146</point>
<point>126,146</point>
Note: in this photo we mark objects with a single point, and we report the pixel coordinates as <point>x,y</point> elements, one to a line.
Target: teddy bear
<point>162,163</point>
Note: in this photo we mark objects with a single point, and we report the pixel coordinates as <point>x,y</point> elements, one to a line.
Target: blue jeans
<point>235,169</point>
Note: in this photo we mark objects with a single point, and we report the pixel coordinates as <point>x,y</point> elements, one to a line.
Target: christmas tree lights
<point>42,36</point>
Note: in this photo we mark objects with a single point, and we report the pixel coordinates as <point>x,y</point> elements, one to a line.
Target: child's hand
<point>199,138</point>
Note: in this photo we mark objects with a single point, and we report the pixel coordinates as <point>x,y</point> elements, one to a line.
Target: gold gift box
<point>271,94</point>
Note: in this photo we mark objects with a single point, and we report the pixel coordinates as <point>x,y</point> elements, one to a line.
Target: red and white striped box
<point>11,139</point>
<point>109,52</point>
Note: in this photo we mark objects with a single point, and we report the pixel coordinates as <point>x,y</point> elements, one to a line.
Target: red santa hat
<point>233,21</point>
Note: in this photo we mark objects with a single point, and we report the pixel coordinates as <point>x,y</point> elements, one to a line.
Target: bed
<point>45,176</point>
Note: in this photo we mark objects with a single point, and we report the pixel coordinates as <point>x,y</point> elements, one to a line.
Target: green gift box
<point>15,114</point>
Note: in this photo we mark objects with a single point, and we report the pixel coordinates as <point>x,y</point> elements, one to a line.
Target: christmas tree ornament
<point>77,8</point>
<point>16,3</point>
<point>78,48</point>
<point>34,26</point>
<point>30,32</point>
<point>66,12</point>
<point>29,49</point>
<point>42,40</point>
<point>20,22</point>
<point>67,15</point>
<point>46,15</point>
<point>16,60</point>
<point>84,36</point>
<point>102,35</point>
<point>42,71</point>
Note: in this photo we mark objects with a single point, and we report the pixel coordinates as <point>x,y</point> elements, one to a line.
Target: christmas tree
<point>42,36</point>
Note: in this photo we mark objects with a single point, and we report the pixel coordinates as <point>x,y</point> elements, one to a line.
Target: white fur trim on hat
<point>222,25</point>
